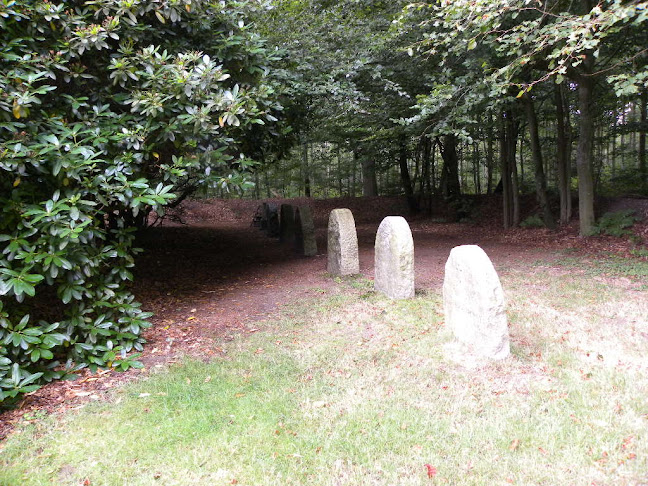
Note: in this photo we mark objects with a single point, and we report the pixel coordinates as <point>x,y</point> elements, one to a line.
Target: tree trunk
<point>585,149</point>
<point>507,212</point>
<point>404,170</point>
<point>450,176</point>
<point>538,164</point>
<point>306,170</point>
<point>489,156</point>
<point>476,175</point>
<point>424,183</point>
<point>508,165</point>
<point>369,181</point>
<point>643,170</point>
<point>521,158</point>
<point>513,129</point>
<point>405,177</point>
<point>563,157</point>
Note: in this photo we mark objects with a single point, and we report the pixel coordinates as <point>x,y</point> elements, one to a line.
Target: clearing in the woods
<point>263,369</point>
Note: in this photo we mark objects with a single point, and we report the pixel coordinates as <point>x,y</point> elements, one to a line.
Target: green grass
<point>608,265</point>
<point>354,389</point>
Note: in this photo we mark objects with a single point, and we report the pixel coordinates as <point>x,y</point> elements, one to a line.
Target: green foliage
<point>533,221</point>
<point>108,110</point>
<point>616,223</point>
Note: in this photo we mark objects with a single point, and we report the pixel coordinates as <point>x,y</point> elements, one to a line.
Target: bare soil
<point>208,274</point>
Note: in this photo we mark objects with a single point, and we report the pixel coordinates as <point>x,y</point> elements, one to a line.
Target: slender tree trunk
<point>538,163</point>
<point>450,175</point>
<point>476,171</point>
<point>521,158</point>
<point>424,183</point>
<point>563,157</point>
<point>509,129</point>
<point>339,170</point>
<point>417,167</point>
<point>615,132</point>
<point>643,170</point>
<point>405,177</point>
<point>513,128</point>
<point>507,213</point>
<point>306,170</point>
<point>369,181</point>
<point>266,182</point>
<point>434,189</point>
<point>404,170</point>
<point>354,175</point>
<point>490,159</point>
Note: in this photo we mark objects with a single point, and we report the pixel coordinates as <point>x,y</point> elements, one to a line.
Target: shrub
<point>108,110</point>
<point>533,221</point>
<point>616,223</point>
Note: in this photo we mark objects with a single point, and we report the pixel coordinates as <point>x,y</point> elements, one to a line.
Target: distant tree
<point>523,44</point>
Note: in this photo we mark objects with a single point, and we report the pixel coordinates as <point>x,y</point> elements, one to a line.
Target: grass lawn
<point>354,389</point>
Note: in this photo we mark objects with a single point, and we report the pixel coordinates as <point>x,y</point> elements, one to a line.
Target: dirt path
<point>219,276</point>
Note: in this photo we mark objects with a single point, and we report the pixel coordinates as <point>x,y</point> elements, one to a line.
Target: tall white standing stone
<point>394,259</point>
<point>342,243</point>
<point>473,302</point>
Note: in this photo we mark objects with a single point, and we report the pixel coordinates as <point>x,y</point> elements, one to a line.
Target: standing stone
<point>342,243</point>
<point>473,303</point>
<point>272,220</point>
<point>305,241</point>
<point>394,259</point>
<point>264,216</point>
<point>286,223</point>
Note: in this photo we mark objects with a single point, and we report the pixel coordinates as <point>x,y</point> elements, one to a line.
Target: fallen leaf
<point>514,445</point>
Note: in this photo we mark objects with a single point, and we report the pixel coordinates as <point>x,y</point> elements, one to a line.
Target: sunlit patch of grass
<point>355,389</point>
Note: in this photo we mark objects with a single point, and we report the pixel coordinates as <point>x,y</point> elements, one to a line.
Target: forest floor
<point>209,275</point>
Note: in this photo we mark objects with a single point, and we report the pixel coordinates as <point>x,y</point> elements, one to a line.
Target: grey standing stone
<point>473,303</point>
<point>342,243</point>
<point>394,259</point>
<point>305,241</point>
<point>286,223</point>
<point>272,219</point>
<point>264,216</point>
